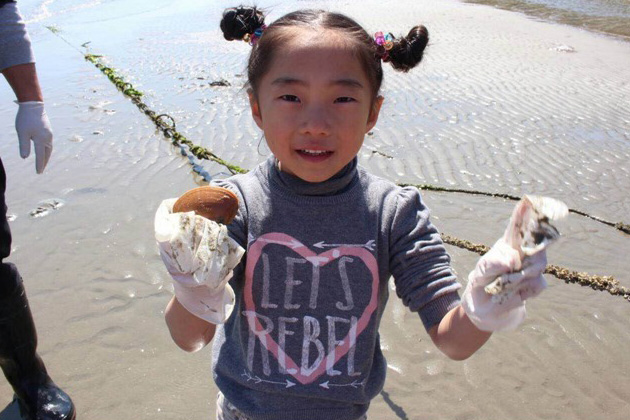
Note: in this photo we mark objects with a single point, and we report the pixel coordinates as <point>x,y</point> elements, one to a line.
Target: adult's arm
<point>23,80</point>
<point>17,62</point>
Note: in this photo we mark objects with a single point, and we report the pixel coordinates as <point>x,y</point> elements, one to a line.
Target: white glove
<point>524,277</point>
<point>512,271</point>
<point>200,256</point>
<point>31,123</point>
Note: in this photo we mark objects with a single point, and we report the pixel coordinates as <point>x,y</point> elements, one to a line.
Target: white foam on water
<point>48,9</point>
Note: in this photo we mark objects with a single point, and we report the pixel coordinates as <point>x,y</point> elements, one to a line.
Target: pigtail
<point>407,52</point>
<point>238,22</point>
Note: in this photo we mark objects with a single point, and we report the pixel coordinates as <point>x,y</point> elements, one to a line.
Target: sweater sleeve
<point>419,262</point>
<point>15,45</point>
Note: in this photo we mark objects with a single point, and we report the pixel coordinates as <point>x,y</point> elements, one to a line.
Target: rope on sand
<point>166,123</point>
<point>619,225</point>
<point>595,282</point>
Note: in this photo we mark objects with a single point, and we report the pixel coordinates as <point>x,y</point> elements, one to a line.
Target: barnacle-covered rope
<point>164,122</point>
<point>619,225</point>
<point>603,283</point>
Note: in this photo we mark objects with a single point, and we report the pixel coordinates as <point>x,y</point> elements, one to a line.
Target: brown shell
<point>214,203</point>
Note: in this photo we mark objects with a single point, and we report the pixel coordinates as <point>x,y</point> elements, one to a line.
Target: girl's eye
<point>290,98</point>
<point>344,99</point>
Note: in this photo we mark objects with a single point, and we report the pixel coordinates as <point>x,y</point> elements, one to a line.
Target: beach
<point>502,103</point>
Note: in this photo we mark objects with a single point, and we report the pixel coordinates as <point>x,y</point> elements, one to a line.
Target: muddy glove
<point>505,313</point>
<point>200,256</point>
<point>512,271</point>
<point>31,124</point>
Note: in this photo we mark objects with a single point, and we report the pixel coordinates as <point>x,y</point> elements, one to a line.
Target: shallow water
<point>498,106</point>
<point>605,16</point>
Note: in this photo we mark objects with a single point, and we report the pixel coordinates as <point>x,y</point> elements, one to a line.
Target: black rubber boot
<point>38,396</point>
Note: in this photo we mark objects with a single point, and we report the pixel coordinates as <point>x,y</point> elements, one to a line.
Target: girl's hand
<point>512,271</point>
<point>525,279</point>
<point>200,256</point>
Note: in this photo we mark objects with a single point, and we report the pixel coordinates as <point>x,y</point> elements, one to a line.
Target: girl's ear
<point>374,112</point>
<point>253,104</point>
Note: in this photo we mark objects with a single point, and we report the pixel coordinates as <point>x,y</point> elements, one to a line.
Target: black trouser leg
<point>39,397</point>
<point>5,232</point>
<point>37,394</point>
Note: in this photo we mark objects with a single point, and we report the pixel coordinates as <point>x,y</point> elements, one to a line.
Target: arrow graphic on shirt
<point>368,245</point>
<point>287,383</point>
<point>354,384</point>
<point>292,244</point>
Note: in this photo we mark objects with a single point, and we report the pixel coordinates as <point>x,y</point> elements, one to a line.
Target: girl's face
<point>314,105</point>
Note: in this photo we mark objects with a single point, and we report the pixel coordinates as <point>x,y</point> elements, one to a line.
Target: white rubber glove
<point>505,311</point>
<point>200,256</point>
<point>512,271</point>
<point>31,124</point>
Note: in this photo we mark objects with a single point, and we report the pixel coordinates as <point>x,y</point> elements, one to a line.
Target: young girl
<point>322,237</point>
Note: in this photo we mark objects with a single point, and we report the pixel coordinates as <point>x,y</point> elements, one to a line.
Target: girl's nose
<point>316,121</point>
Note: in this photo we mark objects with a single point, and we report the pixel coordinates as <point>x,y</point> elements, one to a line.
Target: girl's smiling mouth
<point>314,154</point>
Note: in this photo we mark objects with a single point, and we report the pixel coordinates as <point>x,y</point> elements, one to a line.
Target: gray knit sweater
<point>303,342</point>
<point>15,45</point>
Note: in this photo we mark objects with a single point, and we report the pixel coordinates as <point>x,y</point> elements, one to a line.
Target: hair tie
<point>252,38</point>
<point>384,43</point>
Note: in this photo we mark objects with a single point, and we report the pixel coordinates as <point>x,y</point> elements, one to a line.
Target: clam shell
<point>214,203</point>
<point>529,231</point>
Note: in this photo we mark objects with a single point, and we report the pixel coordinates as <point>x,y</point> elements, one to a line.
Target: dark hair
<point>404,55</point>
<point>238,21</point>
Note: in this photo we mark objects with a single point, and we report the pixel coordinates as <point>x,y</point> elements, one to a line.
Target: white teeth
<point>314,152</point>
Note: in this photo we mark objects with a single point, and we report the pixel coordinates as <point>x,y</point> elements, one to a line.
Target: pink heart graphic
<point>254,253</point>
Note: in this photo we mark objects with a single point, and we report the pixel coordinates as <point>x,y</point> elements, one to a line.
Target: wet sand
<point>497,106</point>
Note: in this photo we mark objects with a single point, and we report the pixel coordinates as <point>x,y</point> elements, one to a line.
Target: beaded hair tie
<point>384,43</point>
<point>252,38</point>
